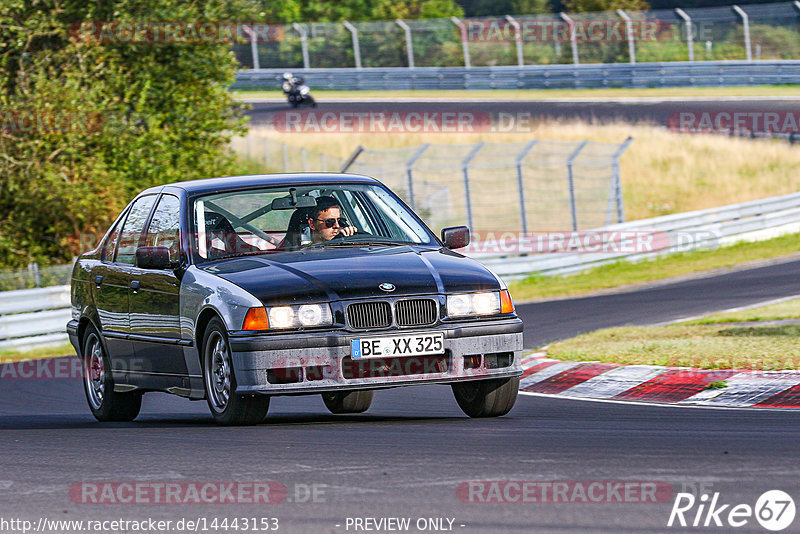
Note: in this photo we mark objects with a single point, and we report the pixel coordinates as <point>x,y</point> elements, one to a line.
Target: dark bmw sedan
<point>237,289</point>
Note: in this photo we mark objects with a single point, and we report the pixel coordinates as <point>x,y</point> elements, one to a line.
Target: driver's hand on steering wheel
<point>347,231</point>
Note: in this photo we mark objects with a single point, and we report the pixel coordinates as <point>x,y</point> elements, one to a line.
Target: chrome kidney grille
<point>369,314</point>
<point>378,314</point>
<point>415,312</point>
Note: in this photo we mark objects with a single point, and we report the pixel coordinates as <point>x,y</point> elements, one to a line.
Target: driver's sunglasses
<point>330,223</point>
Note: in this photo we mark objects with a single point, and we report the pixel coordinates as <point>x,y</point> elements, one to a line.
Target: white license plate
<point>397,346</point>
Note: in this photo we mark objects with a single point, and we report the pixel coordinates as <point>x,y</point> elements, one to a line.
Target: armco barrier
<point>32,318</point>
<point>667,74</point>
<point>36,317</point>
<point>709,228</point>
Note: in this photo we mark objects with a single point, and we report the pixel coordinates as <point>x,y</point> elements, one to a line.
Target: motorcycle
<point>296,91</point>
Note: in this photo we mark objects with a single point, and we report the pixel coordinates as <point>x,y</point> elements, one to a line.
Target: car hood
<point>349,273</point>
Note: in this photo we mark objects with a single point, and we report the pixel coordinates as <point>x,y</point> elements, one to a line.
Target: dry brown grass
<point>662,172</point>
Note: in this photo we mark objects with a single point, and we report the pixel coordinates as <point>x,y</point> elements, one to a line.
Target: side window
<point>164,230</point>
<point>111,243</point>
<point>132,230</point>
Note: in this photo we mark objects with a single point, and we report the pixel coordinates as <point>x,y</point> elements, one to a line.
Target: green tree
<point>581,6</point>
<point>138,114</point>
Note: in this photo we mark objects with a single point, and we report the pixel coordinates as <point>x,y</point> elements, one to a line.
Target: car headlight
<point>485,303</point>
<point>304,315</point>
<point>284,317</point>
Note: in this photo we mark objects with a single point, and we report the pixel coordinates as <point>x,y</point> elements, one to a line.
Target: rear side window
<point>111,243</point>
<point>132,229</point>
<point>164,229</point>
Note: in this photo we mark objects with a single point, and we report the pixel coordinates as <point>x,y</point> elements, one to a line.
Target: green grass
<point>518,94</point>
<point>705,347</point>
<point>694,344</point>
<point>623,273</point>
<point>789,309</point>
<point>8,356</point>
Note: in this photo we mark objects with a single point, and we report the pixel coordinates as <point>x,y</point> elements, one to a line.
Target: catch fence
<point>527,186</point>
<point>721,33</point>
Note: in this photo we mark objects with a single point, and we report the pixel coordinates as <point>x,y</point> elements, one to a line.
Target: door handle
<point>98,280</point>
<point>135,285</point>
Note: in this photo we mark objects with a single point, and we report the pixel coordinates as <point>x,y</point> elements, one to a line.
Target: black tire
<point>226,406</point>
<point>98,384</point>
<point>354,401</point>
<point>487,398</point>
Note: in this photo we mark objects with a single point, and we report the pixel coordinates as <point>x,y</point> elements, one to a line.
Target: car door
<point>111,284</point>
<point>155,297</point>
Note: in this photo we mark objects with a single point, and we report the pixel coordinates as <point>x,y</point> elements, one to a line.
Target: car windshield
<point>276,219</point>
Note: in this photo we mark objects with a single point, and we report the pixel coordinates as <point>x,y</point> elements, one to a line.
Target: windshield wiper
<point>249,253</point>
<point>357,243</point>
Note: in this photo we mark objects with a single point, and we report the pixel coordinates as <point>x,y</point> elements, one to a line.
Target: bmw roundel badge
<point>387,287</point>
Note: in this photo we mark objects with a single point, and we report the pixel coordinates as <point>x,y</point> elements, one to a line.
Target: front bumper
<point>315,362</point>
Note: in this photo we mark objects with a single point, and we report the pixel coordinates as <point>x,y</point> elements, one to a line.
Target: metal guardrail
<point>680,232</point>
<point>672,74</point>
<point>31,318</point>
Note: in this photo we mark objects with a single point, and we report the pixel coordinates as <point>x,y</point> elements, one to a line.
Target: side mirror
<point>455,237</point>
<point>153,258</point>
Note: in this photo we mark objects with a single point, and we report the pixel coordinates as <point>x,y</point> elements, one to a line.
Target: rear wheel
<point>226,406</point>
<point>487,398</point>
<point>98,384</point>
<point>355,401</point>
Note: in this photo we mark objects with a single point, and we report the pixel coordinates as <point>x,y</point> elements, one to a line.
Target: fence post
<point>324,160</point>
<point>573,37</point>
<point>303,156</point>
<point>617,179</point>
<point>464,39</point>
<point>571,184</point>
<point>253,45</point>
<point>303,44</point>
<point>266,151</point>
<point>629,30</point>
<point>356,48</point>
<point>521,185</point>
<point>409,175</point>
<point>409,44</point>
<point>465,171</point>
<point>350,160</point>
<point>746,28</point>
<point>285,157</point>
<point>518,38</point>
<point>689,37</point>
<point>33,268</point>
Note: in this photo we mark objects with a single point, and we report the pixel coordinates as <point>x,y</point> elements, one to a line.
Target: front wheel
<point>226,406</point>
<point>487,398</point>
<point>355,401</point>
<point>98,384</point>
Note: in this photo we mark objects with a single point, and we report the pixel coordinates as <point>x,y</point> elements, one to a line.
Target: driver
<point>326,221</point>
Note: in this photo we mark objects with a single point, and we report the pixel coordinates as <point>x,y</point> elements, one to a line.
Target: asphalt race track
<point>408,455</point>
<point>634,110</point>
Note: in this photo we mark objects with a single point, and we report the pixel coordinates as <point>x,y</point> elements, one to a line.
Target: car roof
<point>216,185</point>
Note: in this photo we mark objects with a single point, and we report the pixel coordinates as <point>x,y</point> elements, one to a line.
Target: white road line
<point>729,310</point>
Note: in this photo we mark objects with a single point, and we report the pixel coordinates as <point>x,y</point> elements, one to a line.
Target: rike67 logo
<point>774,510</point>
